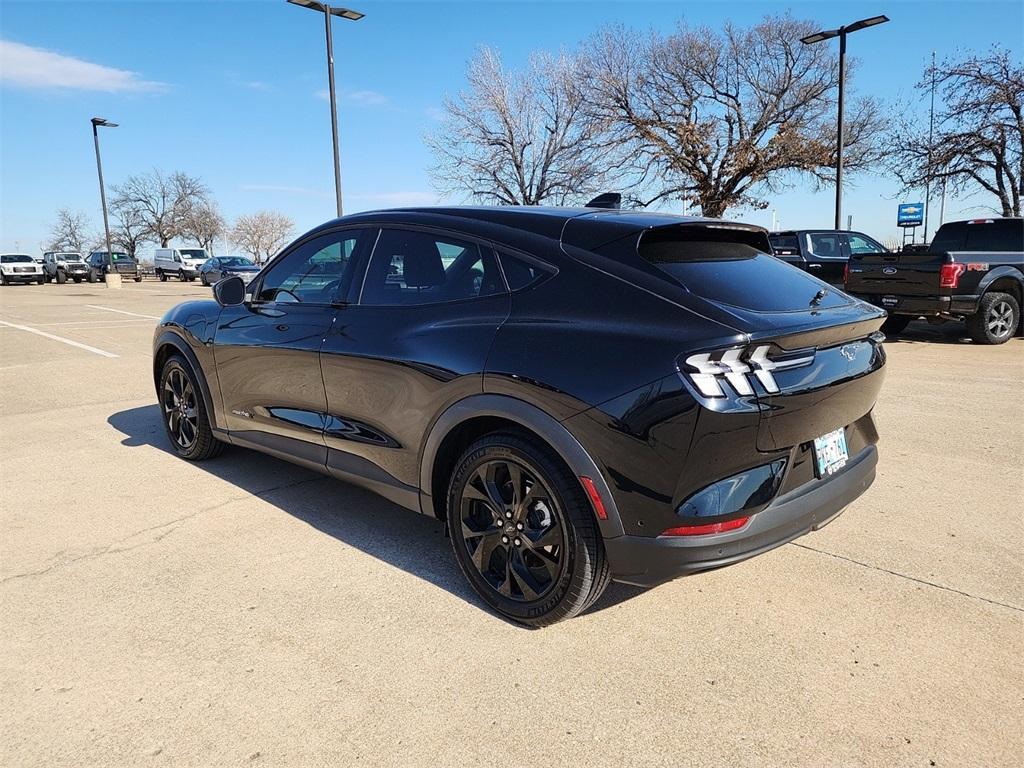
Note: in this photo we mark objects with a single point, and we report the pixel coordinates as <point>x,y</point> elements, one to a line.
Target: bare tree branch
<point>262,234</point>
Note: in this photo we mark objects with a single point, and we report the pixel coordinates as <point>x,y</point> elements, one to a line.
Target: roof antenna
<point>610,200</point>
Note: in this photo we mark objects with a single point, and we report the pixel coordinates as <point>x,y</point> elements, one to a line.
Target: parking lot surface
<point>247,612</point>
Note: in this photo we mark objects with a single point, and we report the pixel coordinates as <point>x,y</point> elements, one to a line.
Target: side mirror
<point>229,292</point>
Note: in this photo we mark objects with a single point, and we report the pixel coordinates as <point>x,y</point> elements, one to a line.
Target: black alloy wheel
<point>523,531</point>
<point>184,413</point>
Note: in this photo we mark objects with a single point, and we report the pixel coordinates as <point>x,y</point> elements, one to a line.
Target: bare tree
<point>129,229</point>
<point>520,138</point>
<point>69,231</point>
<point>720,119</point>
<point>979,131</point>
<point>203,223</point>
<point>161,201</point>
<point>262,234</point>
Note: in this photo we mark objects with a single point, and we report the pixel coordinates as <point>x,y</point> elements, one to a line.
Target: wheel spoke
<point>520,573</point>
<point>488,479</point>
<point>548,537</point>
<point>482,554</point>
<point>505,587</point>
<point>515,476</point>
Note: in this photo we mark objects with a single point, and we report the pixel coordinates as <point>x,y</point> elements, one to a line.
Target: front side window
<point>409,268</point>
<point>825,245</point>
<point>315,272</point>
<point>861,244</point>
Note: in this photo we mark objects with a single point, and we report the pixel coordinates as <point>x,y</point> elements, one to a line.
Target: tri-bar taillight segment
<point>709,370</point>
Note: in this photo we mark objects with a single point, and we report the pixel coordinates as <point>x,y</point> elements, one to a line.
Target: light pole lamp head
<point>315,5</point>
<point>99,122</point>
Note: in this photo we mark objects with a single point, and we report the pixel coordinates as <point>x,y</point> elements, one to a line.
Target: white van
<point>183,263</point>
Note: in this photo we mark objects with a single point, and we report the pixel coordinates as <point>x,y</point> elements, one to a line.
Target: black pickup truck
<point>822,252</point>
<point>972,271</point>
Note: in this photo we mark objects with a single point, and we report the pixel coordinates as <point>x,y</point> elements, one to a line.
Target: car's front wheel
<point>184,413</point>
<point>523,532</point>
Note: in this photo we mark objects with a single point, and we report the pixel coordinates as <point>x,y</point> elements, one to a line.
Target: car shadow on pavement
<point>356,517</point>
<point>921,331</point>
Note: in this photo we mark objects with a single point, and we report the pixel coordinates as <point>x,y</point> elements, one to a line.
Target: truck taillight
<point>949,275</point>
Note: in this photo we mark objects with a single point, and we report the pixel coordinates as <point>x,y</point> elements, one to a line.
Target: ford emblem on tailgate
<point>889,271</point>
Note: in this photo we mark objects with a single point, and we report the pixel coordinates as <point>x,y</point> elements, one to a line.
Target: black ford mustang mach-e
<point>580,394</point>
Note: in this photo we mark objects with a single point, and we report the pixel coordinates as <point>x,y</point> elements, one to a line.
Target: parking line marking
<point>61,339</point>
<point>122,311</point>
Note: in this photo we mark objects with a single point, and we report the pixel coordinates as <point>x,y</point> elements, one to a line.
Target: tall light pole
<point>99,122</point>
<point>841,33</point>
<point>344,13</point>
<point>931,133</point>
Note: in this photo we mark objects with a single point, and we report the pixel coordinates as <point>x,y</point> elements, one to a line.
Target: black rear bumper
<point>922,306</point>
<point>648,561</point>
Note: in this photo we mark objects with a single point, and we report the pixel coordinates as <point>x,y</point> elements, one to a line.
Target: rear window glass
<point>786,243</point>
<point>1007,235</point>
<point>735,273</point>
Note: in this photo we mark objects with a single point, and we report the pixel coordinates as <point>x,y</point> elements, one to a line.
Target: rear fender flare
<point>557,437</point>
<point>1000,273</point>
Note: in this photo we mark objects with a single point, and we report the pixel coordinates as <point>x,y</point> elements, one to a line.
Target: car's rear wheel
<point>523,532</point>
<point>895,324</point>
<point>996,320</point>
<point>203,280</point>
<point>184,412</point>
<point>162,275</point>
<point>181,275</point>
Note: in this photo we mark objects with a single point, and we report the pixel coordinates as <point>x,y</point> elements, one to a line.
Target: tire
<point>895,324</point>
<point>162,275</point>
<point>77,279</point>
<point>3,279</point>
<point>184,414</point>
<point>996,320</point>
<point>92,277</point>
<point>181,275</point>
<point>138,278</point>
<point>41,281</point>
<point>203,280</point>
<point>532,583</point>
<point>61,278</point>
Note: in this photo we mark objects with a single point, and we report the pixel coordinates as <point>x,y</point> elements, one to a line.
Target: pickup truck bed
<point>957,279</point>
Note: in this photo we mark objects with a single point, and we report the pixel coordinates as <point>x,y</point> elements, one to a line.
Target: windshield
<point>193,253</point>
<point>236,261</point>
<point>68,257</point>
<point>16,258</point>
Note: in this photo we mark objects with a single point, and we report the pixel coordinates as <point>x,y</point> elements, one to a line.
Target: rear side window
<point>520,273</point>
<point>410,268</point>
<point>862,244</point>
<point>825,244</point>
<point>734,272</point>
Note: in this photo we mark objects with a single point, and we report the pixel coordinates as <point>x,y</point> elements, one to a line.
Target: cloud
<point>436,113</point>
<point>364,98</point>
<point>24,66</point>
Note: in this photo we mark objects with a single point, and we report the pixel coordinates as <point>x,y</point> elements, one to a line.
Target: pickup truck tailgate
<point>902,274</point>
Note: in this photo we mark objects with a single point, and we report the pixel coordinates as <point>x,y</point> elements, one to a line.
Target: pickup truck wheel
<point>996,320</point>
<point>895,324</point>
<point>523,532</point>
<point>41,280</point>
<point>184,412</point>
<point>61,278</point>
<point>138,278</point>
<point>92,276</point>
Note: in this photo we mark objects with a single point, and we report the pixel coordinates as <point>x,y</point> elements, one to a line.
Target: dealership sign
<point>909,215</point>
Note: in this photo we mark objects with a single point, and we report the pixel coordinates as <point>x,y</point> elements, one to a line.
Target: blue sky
<point>234,92</point>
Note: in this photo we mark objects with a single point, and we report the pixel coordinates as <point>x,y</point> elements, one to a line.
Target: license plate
<point>831,453</point>
<point>889,301</point>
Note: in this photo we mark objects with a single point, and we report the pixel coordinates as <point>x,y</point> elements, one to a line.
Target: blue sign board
<point>910,215</point>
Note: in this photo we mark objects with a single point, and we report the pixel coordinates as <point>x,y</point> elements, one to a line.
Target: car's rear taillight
<point>706,528</point>
<point>949,275</point>
<point>709,370</point>
<point>846,273</point>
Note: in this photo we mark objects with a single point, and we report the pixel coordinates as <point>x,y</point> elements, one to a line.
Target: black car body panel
<point>983,254</point>
<point>579,332</point>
